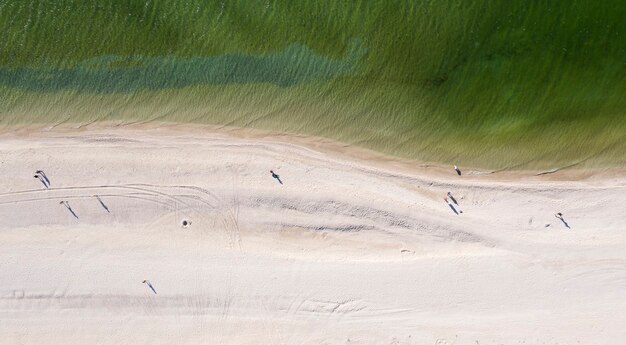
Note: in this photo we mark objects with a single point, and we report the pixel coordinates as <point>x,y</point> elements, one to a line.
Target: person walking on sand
<point>458,171</point>
<point>147,282</point>
<point>276,176</point>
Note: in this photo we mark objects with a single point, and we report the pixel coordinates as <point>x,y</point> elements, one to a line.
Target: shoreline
<point>328,146</point>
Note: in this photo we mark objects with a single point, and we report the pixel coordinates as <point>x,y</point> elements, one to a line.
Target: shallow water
<point>493,84</point>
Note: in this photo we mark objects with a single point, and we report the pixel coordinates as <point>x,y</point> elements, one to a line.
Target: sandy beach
<point>351,248</point>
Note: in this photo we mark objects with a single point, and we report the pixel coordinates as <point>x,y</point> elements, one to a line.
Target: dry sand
<point>347,251</point>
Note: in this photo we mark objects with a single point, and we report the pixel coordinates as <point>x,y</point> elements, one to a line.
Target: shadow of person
<point>274,175</point>
<point>453,209</point>
<point>452,198</point>
<point>102,203</point>
<point>43,174</point>
<point>150,286</point>
<point>69,208</point>
<point>560,216</point>
<point>42,181</point>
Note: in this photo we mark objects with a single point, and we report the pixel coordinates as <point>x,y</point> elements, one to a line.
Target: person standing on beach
<point>147,282</point>
<point>69,208</point>
<point>559,215</point>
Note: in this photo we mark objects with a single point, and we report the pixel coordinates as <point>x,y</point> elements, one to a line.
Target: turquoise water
<point>493,84</point>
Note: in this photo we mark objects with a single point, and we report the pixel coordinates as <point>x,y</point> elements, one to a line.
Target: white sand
<point>347,251</point>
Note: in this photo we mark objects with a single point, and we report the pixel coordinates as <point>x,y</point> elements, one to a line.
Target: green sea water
<point>492,84</point>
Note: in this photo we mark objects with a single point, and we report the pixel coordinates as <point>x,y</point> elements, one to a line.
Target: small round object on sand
<point>185,223</point>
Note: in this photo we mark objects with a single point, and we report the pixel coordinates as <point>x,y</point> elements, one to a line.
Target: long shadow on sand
<point>103,204</point>
<point>69,208</point>
<point>453,209</point>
